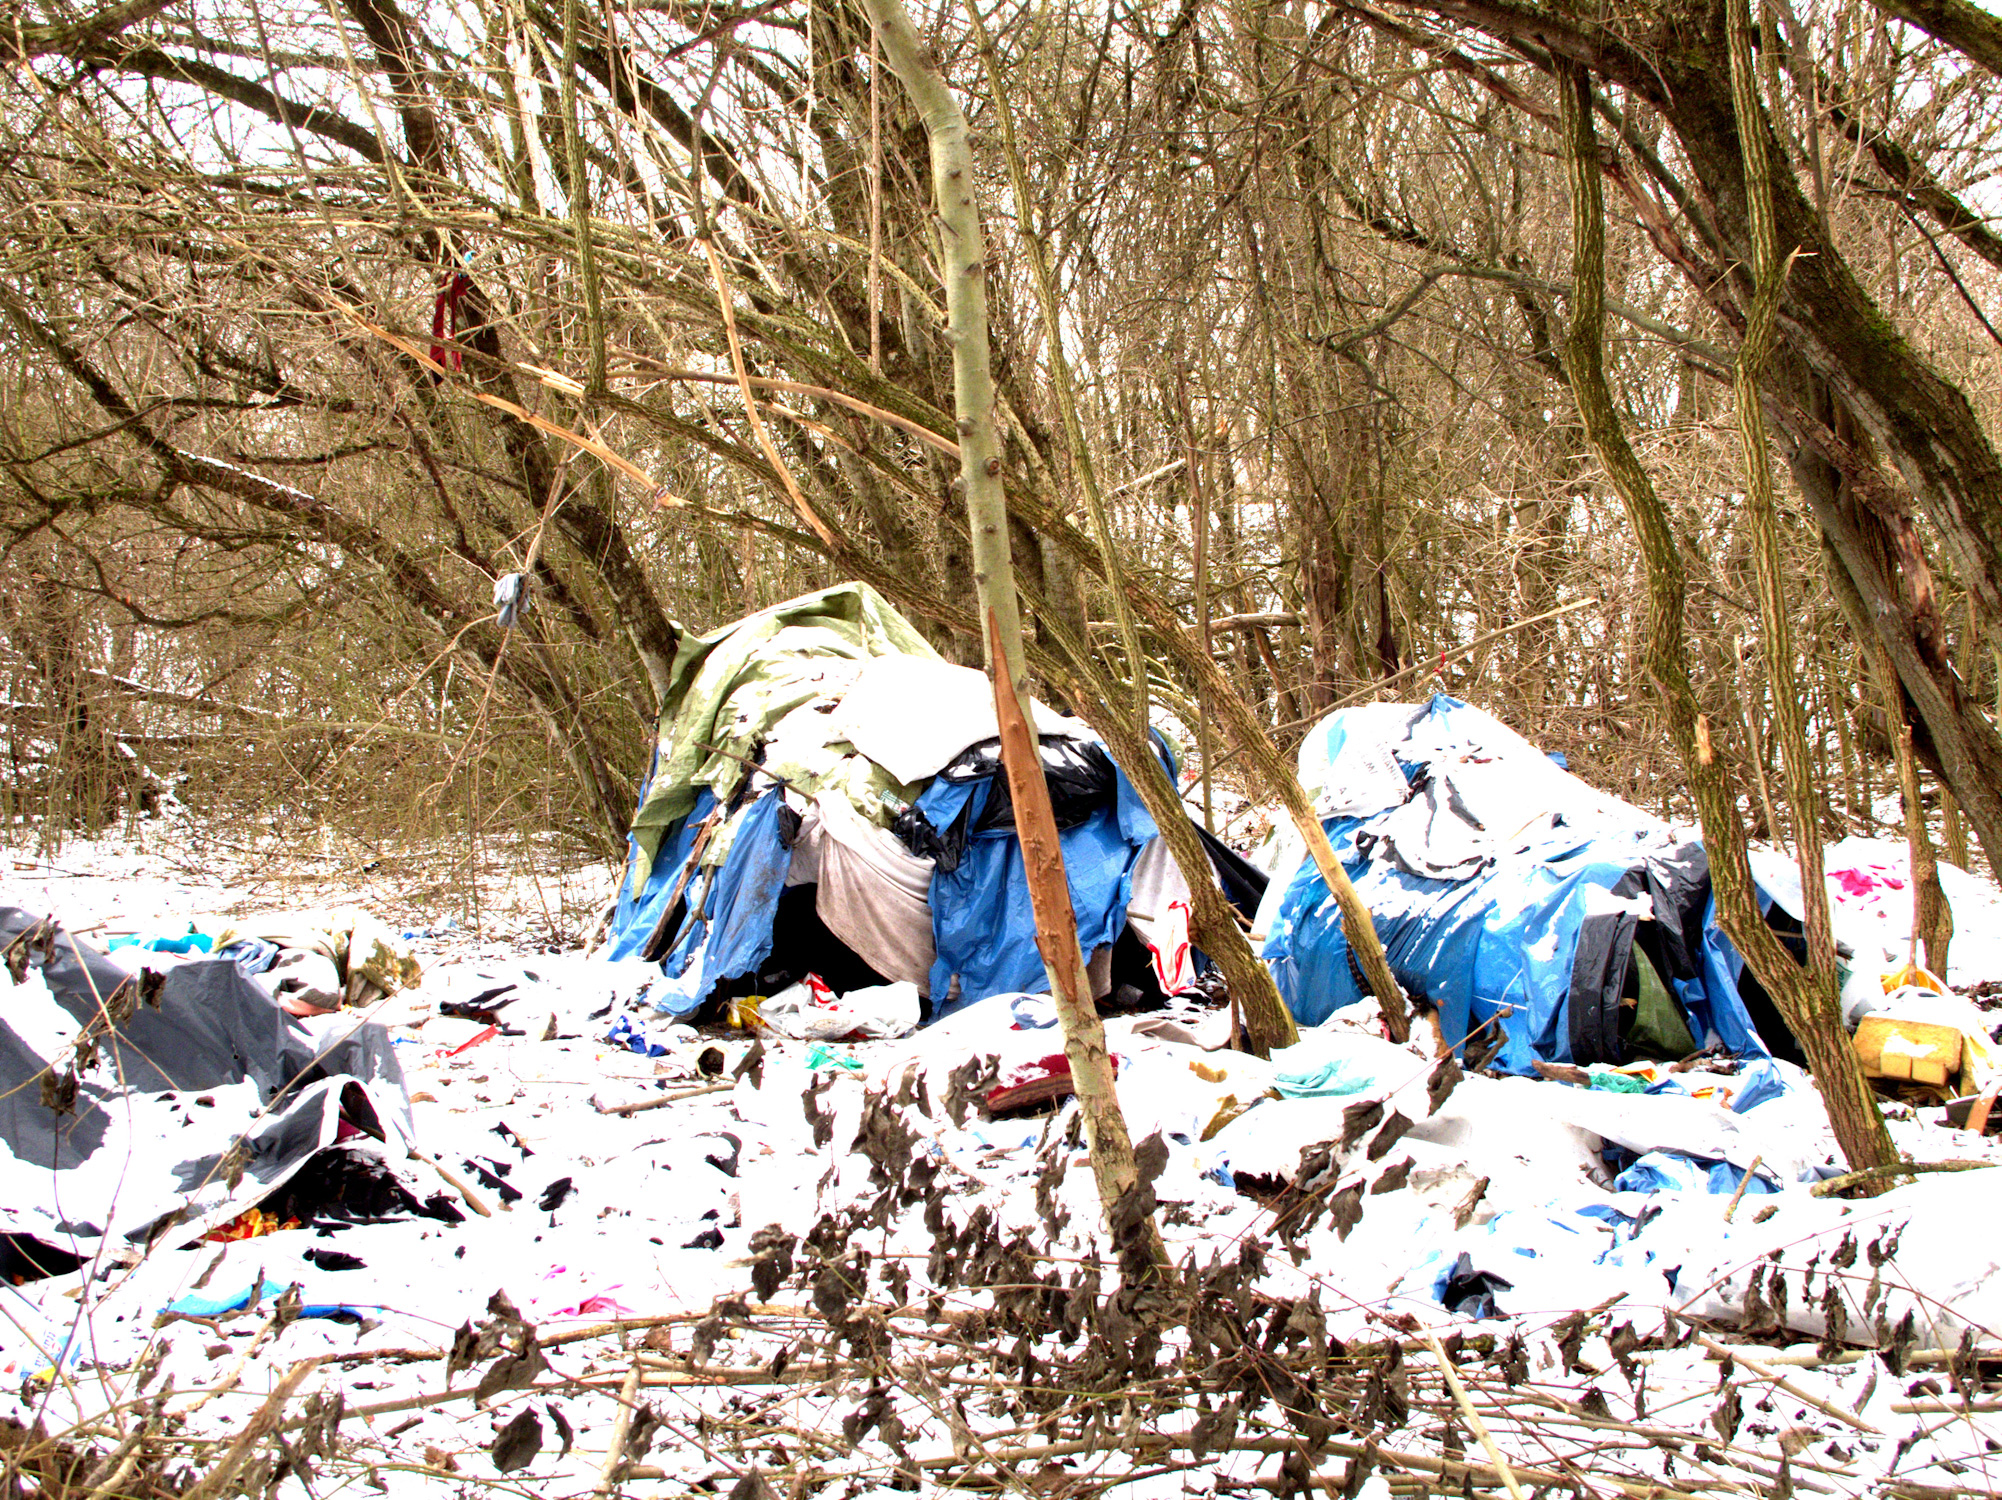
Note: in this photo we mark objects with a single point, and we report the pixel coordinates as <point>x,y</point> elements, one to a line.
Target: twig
<point>743,761</point>
<point>1452,653</point>
<point>1737,1354</point>
<point>1743,1183</point>
<point>657,494</point>
<point>472,1199</point>
<point>259,1427</point>
<point>664,1100</point>
<point>110,1476</point>
<point>1915,1358</point>
<point>1474,1423</point>
<point>1834,1185</point>
<point>229,1382</point>
<point>799,502</point>
<point>622,1422</point>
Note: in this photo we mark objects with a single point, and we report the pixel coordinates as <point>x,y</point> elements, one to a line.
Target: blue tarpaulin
<point>1497,879</point>
<point>640,911</point>
<point>1679,1172</point>
<point>835,699</point>
<point>727,931</point>
<point>982,927</point>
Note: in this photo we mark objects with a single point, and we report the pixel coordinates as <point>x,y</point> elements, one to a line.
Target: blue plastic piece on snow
<point>1675,1172</point>
<point>194,1305</point>
<point>1032,1012</point>
<point>191,942</point>
<point>634,1038</point>
<point>1757,1084</point>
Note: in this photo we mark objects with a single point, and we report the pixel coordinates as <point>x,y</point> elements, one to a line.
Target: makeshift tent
<point>147,1108</point>
<point>826,796</point>
<point>1507,893</point>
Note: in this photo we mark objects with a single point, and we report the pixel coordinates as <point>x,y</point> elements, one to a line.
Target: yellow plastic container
<point>1921,1051</point>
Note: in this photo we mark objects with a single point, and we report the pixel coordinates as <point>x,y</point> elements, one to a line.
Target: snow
<point>657,1219</point>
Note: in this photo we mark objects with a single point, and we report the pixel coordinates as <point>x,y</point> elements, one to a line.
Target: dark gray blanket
<point>151,1110</point>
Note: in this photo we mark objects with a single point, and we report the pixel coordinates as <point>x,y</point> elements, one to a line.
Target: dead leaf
<point>516,1445</point>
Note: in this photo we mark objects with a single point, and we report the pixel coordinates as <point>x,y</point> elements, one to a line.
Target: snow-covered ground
<point>820,1269</point>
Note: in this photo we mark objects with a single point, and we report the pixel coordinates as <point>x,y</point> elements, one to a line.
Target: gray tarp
<point>197,1106</point>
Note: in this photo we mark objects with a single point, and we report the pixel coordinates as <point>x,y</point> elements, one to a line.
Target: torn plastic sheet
<point>202,1100</point>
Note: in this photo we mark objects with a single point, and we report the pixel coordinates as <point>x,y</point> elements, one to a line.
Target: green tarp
<point>759,681</point>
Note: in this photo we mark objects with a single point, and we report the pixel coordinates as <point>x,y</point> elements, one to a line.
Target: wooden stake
<point>622,1424</point>
<point>472,1199</point>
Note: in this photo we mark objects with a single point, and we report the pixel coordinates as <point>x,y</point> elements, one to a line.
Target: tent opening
<point>802,944</point>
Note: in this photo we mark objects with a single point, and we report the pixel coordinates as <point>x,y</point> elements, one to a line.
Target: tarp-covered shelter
<point>151,1108</point>
<point>1499,880</point>
<point>826,796</point>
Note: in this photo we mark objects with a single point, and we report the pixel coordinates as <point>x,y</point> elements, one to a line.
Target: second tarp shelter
<point>825,796</point>
<point>1507,892</point>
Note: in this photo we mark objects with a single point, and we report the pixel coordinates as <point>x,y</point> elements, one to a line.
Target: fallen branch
<point>472,1199</point>
<point>1455,1471</point>
<point>1474,1423</point>
<point>259,1427</point>
<point>1829,1187</point>
<point>1738,1355</point>
<point>642,1105</point>
<point>622,1422</point>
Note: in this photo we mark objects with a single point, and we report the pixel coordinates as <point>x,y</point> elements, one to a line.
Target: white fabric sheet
<point>912,716</point>
<point>875,895</point>
<point>1158,910</point>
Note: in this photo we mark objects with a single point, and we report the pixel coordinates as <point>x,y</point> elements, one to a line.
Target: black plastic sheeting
<point>1243,882</point>
<point>1677,887</point>
<point>1079,774</point>
<point>1678,890</point>
<point>202,1099</point>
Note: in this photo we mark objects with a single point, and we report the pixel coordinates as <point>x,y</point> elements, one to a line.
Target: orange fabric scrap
<point>249,1225</point>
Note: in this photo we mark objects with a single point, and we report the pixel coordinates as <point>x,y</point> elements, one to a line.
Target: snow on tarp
<point>201,1100</point>
<point>1498,881</point>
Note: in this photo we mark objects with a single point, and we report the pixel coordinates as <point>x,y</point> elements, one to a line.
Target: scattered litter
<point>598,1246</point>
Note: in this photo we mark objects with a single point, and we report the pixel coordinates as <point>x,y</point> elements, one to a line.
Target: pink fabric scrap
<point>1863,882</point>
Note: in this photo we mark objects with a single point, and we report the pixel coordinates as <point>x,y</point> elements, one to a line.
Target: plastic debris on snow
<point>810,1011</point>
<point>1870,905</point>
<point>1377,1181</point>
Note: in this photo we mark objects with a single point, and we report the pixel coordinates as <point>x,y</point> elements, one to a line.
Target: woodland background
<point>307,309</point>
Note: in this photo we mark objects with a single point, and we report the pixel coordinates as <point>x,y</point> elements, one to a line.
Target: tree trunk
<point>1776,631</point>
<point>1358,928</point>
<point>1212,919</point>
<point>1806,999</point>
<point>964,262</point>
